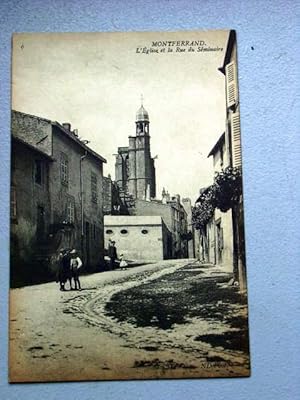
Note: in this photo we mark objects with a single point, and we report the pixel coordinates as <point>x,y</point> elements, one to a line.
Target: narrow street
<point>175,318</point>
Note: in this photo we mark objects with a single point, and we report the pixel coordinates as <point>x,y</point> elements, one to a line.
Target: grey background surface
<point>268,53</point>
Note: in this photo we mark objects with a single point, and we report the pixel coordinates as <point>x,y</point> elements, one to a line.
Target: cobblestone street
<point>173,318</point>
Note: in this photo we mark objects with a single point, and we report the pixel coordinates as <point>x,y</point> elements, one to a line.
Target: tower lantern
<point>142,120</point>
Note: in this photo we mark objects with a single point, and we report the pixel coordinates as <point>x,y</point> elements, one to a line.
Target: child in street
<point>123,263</point>
<point>75,265</point>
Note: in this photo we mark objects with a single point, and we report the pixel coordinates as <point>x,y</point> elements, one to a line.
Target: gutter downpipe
<point>81,199</point>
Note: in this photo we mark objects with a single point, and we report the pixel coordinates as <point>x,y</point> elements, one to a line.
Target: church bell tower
<point>141,177</point>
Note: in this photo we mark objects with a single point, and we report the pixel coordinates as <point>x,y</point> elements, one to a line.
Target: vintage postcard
<point>127,228</point>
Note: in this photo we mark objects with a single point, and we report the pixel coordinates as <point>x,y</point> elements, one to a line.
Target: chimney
<point>67,126</point>
<point>164,196</point>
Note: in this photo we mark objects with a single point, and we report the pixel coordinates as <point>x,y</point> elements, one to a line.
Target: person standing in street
<point>112,253</point>
<point>75,265</point>
<point>60,270</point>
<point>63,271</point>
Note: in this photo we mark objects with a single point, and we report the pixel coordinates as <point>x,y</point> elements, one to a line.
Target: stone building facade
<point>223,240</point>
<point>138,237</point>
<point>215,244</point>
<point>56,193</point>
<point>220,231</point>
<point>174,217</point>
<point>30,205</point>
<point>234,152</point>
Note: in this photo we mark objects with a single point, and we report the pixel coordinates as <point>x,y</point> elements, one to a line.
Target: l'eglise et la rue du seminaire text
<point>177,46</point>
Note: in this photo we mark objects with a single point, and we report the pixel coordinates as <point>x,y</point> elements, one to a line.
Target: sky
<point>95,82</point>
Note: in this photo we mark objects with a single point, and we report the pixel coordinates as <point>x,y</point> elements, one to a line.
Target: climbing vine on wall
<point>204,208</point>
<point>228,188</point>
<point>223,194</point>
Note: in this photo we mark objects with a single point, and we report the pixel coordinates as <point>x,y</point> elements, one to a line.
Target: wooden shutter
<point>231,84</point>
<point>236,140</point>
<point>70,211</point>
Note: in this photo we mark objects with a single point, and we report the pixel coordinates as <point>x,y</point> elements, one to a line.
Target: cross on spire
<point>142,99</point>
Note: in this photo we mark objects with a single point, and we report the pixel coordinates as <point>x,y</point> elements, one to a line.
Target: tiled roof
<point>78,141</point>
<point>69,134</point>
<point>229,47</point>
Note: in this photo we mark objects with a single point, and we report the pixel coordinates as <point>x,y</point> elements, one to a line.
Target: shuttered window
<point>236,140</point>
<point>231,84</point>
<point>70,212</point>
<point>94,188</point>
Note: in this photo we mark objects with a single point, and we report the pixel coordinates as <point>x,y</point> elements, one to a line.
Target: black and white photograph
<point>127,250</point>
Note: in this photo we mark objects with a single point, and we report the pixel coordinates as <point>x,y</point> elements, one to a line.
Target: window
<point>64,169</point>
<point>145,231</point>
<point>94,187</point>
<point>94,232</point>
<point>109,232</point>
<point>38,172</point>
<point>140,127</point>
<point>70,212</point>
<point>124,232</point>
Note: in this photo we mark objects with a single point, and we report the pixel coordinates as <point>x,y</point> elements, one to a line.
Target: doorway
<point>40,224</point>
<point>219,232</point>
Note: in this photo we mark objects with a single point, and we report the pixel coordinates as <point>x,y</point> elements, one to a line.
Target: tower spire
<point>142,99</point>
